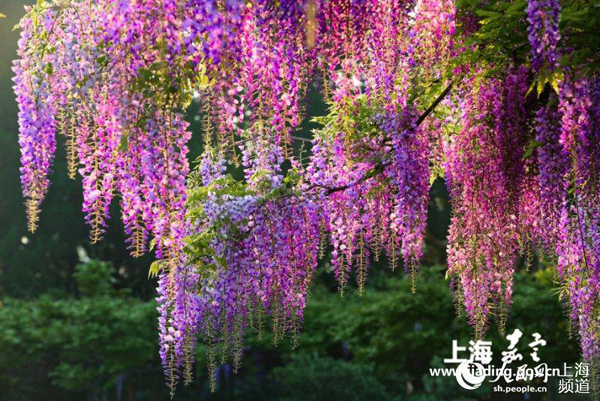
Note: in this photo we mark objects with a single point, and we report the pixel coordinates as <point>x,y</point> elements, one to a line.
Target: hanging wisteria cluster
<point>406,103</point>
<point>486,178</point>
<point>543,17</point>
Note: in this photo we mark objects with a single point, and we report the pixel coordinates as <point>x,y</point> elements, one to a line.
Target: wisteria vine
<point>406,104</point>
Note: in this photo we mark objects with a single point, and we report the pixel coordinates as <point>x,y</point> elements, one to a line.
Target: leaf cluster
<point>501,38</point>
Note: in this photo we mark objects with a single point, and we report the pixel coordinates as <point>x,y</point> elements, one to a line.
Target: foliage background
<point>79,321</point>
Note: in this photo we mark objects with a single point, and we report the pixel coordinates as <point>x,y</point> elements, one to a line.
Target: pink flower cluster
<point>484,172</point>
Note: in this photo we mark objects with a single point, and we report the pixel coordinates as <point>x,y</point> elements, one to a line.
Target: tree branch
<point>435,103</point>
<point>299,138</point>
<point>369,174</point>
<point>380,167</point>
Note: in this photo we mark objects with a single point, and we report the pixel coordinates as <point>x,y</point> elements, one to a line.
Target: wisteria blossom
<point>543,17</point>
<point>238,238</point>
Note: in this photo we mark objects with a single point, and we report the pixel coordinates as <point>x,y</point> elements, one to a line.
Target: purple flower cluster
<point>409,174</point>
<point>79,66</point>
<point>553,169</point>
<point>543,17</point>
<point>577,242</point>
<point>261,67</point>
<point>37,114</point>
<point>264,253</point>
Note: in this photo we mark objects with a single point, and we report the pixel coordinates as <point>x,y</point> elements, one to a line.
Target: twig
<point>369,174</point>
<point>435,103</point>
<point>299,138</point>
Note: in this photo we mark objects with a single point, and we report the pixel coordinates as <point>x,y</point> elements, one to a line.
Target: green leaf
<point>530,148</point>
<point>123,143</point>
<point>541,84</point>
<point>541,80</point>
<point>49,69</point>
<point>155,268</point>
<point>532,86</point>
<point>503,5</point>
<point>518,5</point>
<point>556,77</point>
<point>485,13</point>
<point>489,20</point>
<point>102,61</point>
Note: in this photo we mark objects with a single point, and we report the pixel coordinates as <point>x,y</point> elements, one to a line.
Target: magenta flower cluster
<point>486,179</point>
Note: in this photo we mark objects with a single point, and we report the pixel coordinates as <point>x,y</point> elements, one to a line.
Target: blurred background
<point>78,322</point>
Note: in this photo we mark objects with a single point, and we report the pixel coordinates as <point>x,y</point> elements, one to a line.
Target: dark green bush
<point>308,378</point>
